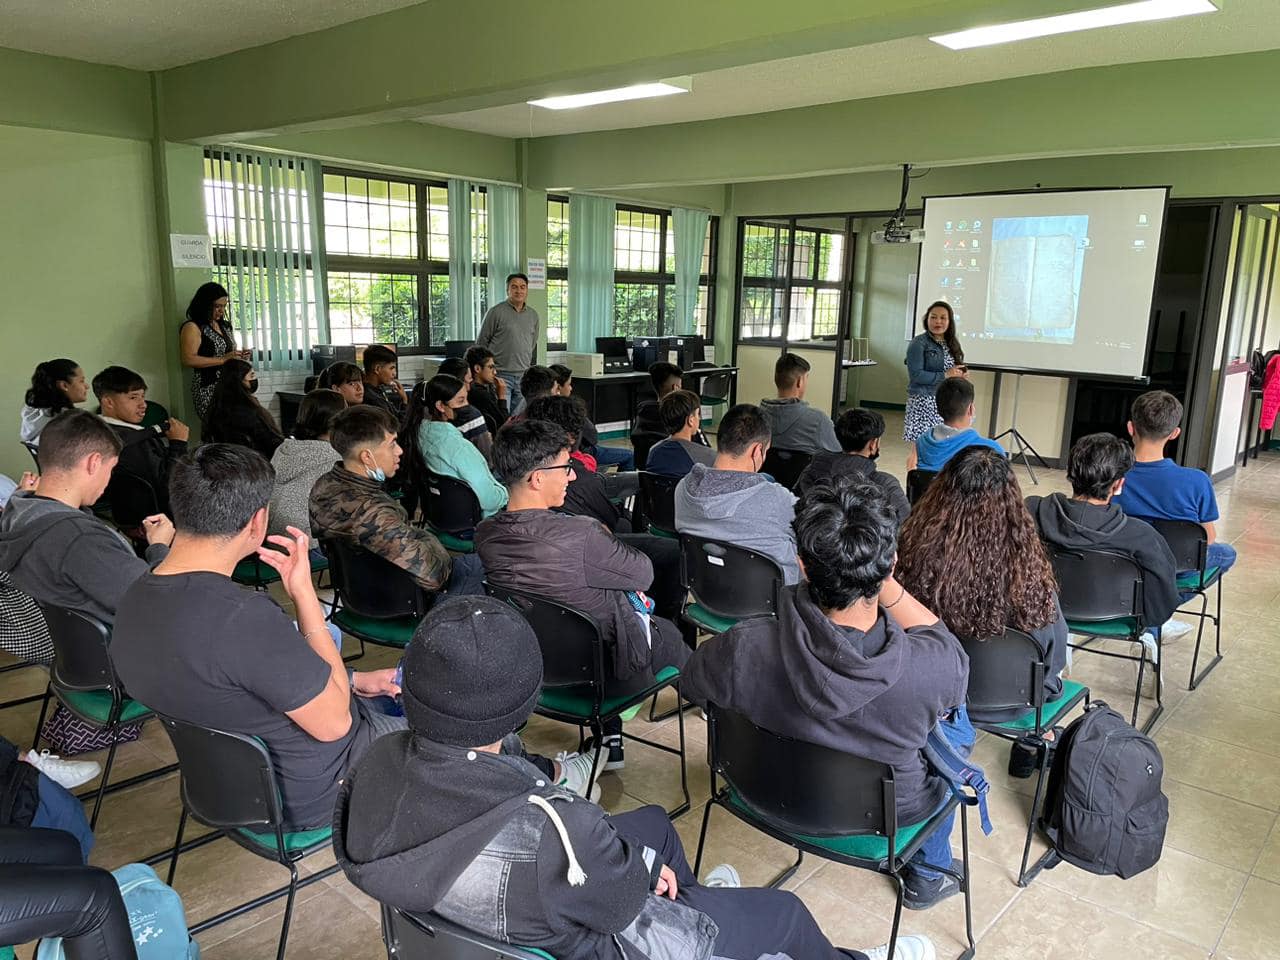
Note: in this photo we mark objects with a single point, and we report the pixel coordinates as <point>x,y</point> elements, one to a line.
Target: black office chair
<point>785,466</point>
<point>84,680</point>
<point>715,389</point>
<point>1189,542</point>
<point>658,503</point>
<point>726,583</point>
<point>373,599</point>
<point>577,678</point>
<point>1101,595</point>
<point>132,498</point>
<point>917,483</point>
<point>818,800</point>
<point>229,784</point>
<point>35,453</point>
<point>431,937</point>
<point>452,511</point>
<point>1008,673</point>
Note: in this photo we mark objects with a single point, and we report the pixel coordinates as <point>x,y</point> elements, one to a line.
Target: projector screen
<point>1048,281</point>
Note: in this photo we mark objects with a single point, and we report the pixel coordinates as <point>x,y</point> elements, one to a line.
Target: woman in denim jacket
<point>931,357</point>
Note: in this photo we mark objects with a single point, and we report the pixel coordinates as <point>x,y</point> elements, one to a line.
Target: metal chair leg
<point>702,837</point>
<point>288,909</point>
<point>106,774</point>
<point>684,770</point>
<point>965,884</point>
<point>44,710</point>
<point>897,912</point>
<point>1041,772</point>
<point>177,845</point>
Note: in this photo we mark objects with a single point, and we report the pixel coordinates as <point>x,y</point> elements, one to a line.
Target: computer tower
<point>324,354</point>
<point>646,351</point>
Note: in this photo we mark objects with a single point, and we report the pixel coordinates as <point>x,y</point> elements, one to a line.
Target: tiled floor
<point>1216,891</point>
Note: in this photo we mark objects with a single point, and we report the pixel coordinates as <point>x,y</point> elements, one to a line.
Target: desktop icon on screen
<point>947,225</point>
<point>977,224</point>
<point>964,225</point>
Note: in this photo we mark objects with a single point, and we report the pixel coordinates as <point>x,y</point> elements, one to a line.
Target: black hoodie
<point>1064,522</point>
<point>875,694</point>
<point>827,465</point>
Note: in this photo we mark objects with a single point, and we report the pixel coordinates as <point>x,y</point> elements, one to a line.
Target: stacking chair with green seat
<point>35,453</point>
<point>252,572</point>
<point>452,511</point>
<point>785,466</point>
<point>431,937</point>
<point>1101,596</point>
<point>373,599</point>
<point>1189,542</point>
<point>715,388</point>
<point>577,678</point>
<point>229,784</point>
<point>917,483</point>
<point>822,801</point>
<point>726,583</point>
<point>1007,673</point>
<point>658,503</point>
<point>85,682</point>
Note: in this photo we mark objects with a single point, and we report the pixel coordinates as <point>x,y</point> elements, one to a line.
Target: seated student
<point>852,661</point>
<point>40,785</point>
<point>647,428</point>
<point>451,818</point>
<point>488,392</point>
<point>303,459</point>
<point>236,416</point>
<point>621,457</point>
<point>1160,489</point>
<point>466,418</point>
<point>534,383</point>
<point>859,432</point>
<point>939,444</point>
<point>381,389</point>
<point>148,452</point>
<point>56,385</point>
<point>350,502</point>
<point>1090,520</point>
<point>440,447</point>
<point>681,412</point>
<point>980,583</point>
<point>731,501</point>
<point>55,550</point>
<point>795,424</point>
<point>346,378</point>
<point>591,494</point>
<point>574,560</point>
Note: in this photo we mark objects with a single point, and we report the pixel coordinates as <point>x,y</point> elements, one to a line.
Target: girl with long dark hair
<point>56,385</point>
<point>932,356</point>
<point>438,446</point>
<point>236,416</point>
<point>207,341</point>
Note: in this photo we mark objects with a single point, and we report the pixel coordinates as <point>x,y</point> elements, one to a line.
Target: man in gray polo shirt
<point>510,330</point>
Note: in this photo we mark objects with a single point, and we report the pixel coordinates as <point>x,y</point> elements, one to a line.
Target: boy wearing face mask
<point>350,503</point>
<point>939,444</point>
<point>859,432</point>
<point>733,502</point>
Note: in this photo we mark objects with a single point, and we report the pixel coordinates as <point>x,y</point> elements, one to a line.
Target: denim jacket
<point>926,366</point>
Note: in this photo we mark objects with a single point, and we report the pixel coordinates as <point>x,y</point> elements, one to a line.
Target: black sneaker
<point>1024,756</point>
<point>611,755</point>
<point>921,893</point>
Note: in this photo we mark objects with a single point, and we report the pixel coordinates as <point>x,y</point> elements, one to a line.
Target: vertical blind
<point>264,221</point>
<point>591,229</point>
<point>689,229</point>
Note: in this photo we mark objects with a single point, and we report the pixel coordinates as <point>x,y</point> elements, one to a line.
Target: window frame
<point>786,281</point>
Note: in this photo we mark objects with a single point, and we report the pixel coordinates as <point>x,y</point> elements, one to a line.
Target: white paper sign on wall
<point>191,250</point>
<point>537,271</point>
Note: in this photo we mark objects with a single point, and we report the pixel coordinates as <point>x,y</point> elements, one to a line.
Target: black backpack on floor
<point>1104,810</point>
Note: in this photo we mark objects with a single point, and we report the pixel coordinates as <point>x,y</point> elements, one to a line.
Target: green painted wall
<point>58,94</point>
<point>79,255</point>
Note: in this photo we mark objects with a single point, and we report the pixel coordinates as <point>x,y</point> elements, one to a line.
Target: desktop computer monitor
<point>457,348</point>
<point>611,347</point>
<point>325,354</point>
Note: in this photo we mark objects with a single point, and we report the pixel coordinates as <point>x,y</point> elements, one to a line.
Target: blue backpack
<point>155,916</point>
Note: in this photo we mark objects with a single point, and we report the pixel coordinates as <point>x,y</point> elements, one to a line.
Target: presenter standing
<point>510,330</point>
<point>932,357</point>
<point>207,342</point>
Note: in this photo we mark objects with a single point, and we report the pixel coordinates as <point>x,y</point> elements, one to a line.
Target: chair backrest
<point>642,443</point>
<point>227,778</point>
<point>658,499</point>
<point>1188,540</point>
<point>918,482</point>
<point>35,453</point>
<point>81,661</point>
<point>801,787</point>
<point>132,498</point>
<point>572,651</point>
<point>785,466</point>
<point>449,504</point>
<point>1005,672</point>
<point>155,413</point>
<point>1097,585</point>
<point>371,585</point>
<point>431,937</point>
<point>716,386</point>
<point>730,581</point>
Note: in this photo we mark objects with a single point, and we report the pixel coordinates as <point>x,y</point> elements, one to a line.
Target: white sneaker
<point>1174,630</point>
<point>66,773</point>
<point>723,875</point>
<point>575,769</point>
<point>907,948</point>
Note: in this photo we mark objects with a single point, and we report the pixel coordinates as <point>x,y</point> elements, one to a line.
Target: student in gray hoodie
<point>732,502</point>
<point>51,546</point>
<point>795,424</point>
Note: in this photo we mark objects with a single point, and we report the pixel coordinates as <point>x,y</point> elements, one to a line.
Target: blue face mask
<point>377,474</point>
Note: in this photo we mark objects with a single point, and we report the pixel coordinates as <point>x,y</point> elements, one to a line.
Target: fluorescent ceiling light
<point>1071,22</point>
<point>639,91</point>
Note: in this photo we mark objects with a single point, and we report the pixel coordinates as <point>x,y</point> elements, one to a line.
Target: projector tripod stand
<point>1018,442</point>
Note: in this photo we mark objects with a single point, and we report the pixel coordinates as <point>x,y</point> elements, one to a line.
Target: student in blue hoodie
<point>939,444</point>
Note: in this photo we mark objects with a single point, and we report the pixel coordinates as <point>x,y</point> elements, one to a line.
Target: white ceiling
<point>158,34</point>
<point>897,66</point>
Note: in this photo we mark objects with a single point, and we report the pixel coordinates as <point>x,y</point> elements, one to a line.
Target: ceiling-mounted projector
<point>896,231</point>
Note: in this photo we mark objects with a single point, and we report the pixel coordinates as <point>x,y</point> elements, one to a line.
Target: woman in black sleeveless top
<point>207,342</point>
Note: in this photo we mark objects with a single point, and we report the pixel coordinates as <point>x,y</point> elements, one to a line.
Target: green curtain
<point>591,226</point>
<point>265,214</point>
<point>690,231</point>
<point>462,262</point>
<point>504,239</point>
